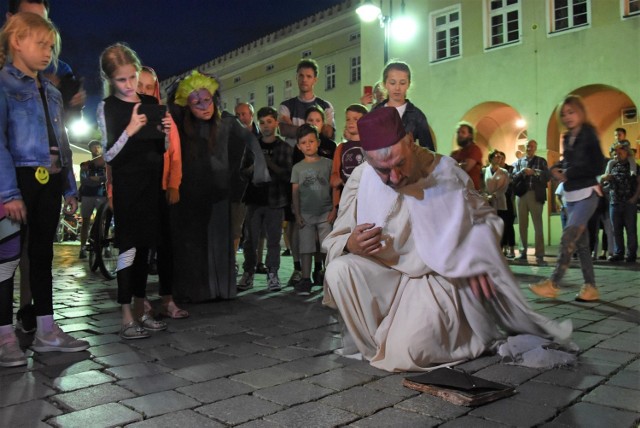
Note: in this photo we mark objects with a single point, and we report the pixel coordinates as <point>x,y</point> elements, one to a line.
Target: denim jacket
<point>24,140</point>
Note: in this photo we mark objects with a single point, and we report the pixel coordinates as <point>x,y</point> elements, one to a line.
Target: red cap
<point>381,128</point>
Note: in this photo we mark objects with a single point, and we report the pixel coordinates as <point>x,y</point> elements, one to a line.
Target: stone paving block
<point>77,312</point>
<point>123,358</point>
<point>102,339</point>
<point>279,341</point>
<point>545,394</point>
<point>634,366</point>
<point>109,349</point>
<point>313,365</point>
<point>28,414</point>
<point>626,379</point>
<point>504,373</point>
<point>215,390</point>
<point>260,423</point>
<point>288,353</point>
<point>269,376</point>
<point>193,341</point>
<point>570,378</point>
<point>204,372</point>
<point>162,352</point>
<point>181,362</point>
<point>109,322</point>
<point>613,396</point>
<point>341,378</point>
<point>183,418</point>
<point>627,342</point>
<point>239,409</point>
<point>588,415</point>
<point>362,367</point>
<point>394,418</point>
<point>66,369</point>
<point>73,327</point>
<point>432,406</point>
<point>60,358</point>
<point>597,367</point>
<point>292,393</point>
<point>160,403</point>
<point>609,327</point>
<point>479,363</point>
<point>106,415</point>
<point>392,385</point>
<point>321,415</point>
<point>137,370</point>
<point>155,383</point>
<point>512,412</point>
<point>67,321</point>
<point>613,356</point>
<point>254,362</point>
<point>80,380</point>
<point>471,422</point>
<point>93,396</point>
<point>362,401</point>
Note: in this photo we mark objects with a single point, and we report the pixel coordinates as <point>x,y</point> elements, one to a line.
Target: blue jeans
<point>576,239</point>
<point>624,216</point>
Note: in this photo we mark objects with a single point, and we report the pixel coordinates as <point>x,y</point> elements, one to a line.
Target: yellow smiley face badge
<point>42,175</point>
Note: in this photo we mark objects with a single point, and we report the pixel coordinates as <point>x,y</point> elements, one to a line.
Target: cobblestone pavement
<point>265,360</point>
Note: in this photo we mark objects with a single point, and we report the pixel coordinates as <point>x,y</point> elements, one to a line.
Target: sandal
<point>150,324</point>
<point>133,331</point>
<point>173,311</point>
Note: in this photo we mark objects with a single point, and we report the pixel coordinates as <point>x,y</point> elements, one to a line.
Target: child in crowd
<point>349,154</point>
<point>265,203</point>
<point>311,199</point>
<point>314,115</point>
<point>135,154</point>
<point>171,178</point>
<point>35,171</point>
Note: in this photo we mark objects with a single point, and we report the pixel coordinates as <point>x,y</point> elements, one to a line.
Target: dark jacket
<point>274,194</point>
<point>583,161</point>
<point>415,121</point>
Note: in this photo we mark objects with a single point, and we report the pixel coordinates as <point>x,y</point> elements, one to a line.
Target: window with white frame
<point>503,22</point>
<point>355,69</point>
<point>271,92</point>
<point>252,98</point>
<point>631,8</point>
<point>288,89</point>
<point>330,73</point>
<point>445,33</point>
<point>568,14</point>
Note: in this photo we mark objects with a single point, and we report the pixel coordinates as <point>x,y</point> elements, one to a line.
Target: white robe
<point>410,307</point>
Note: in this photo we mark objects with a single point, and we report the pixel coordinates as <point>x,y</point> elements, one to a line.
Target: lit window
<point>445,33</point>
<point>503,22</point>
<point>330,72</point>
<point>288,89</point>
<point>631,8</point>
<point>355,69</point>
<point>271,95</point>
<point>568,14</point>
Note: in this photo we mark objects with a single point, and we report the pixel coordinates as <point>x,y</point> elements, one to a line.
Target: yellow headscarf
<point>192,83</point>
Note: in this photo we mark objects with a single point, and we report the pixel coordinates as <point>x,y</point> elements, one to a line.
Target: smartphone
<point>155,113</point>
<point>368,90</point>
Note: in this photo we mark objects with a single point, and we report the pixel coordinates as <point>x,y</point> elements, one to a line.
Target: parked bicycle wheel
<point>108,258</point>
<point>92,246</point>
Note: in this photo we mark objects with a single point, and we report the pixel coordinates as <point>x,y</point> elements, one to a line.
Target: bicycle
<point>103,254</point>
<point>68,228</point>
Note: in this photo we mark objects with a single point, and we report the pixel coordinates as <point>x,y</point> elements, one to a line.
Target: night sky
<point>171,36</point>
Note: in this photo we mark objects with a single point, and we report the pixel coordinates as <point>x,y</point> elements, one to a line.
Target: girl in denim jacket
<point>35,170</point>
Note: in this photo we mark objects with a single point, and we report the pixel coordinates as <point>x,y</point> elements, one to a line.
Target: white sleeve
<point>110,154</point>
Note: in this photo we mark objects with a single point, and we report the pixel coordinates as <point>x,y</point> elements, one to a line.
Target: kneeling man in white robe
<point>414,263</point>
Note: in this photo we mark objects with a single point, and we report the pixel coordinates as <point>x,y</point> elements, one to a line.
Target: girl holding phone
<point>136,170</point>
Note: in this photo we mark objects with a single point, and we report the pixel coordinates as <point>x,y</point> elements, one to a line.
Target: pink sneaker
<point>57,341</point>
<point>10,353</point>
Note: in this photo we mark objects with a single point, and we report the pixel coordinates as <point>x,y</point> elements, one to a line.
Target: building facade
<point>502,65</point>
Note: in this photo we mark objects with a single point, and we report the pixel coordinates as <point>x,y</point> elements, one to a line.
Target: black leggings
<point>132,274</point>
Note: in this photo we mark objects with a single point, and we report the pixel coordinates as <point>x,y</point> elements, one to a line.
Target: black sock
<point>297,266</point>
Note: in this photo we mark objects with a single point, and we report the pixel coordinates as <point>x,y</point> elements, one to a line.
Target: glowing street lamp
<point>403,27</point>
<point>79,128</point>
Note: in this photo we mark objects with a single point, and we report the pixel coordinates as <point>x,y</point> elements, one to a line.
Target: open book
<point>458,387</point>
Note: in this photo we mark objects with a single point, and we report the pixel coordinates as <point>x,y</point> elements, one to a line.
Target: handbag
<point>520,185</point>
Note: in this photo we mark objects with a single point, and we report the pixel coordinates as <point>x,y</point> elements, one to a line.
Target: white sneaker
<point>57,341</point>
<point>273,282</point>
<point>246,282</point>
